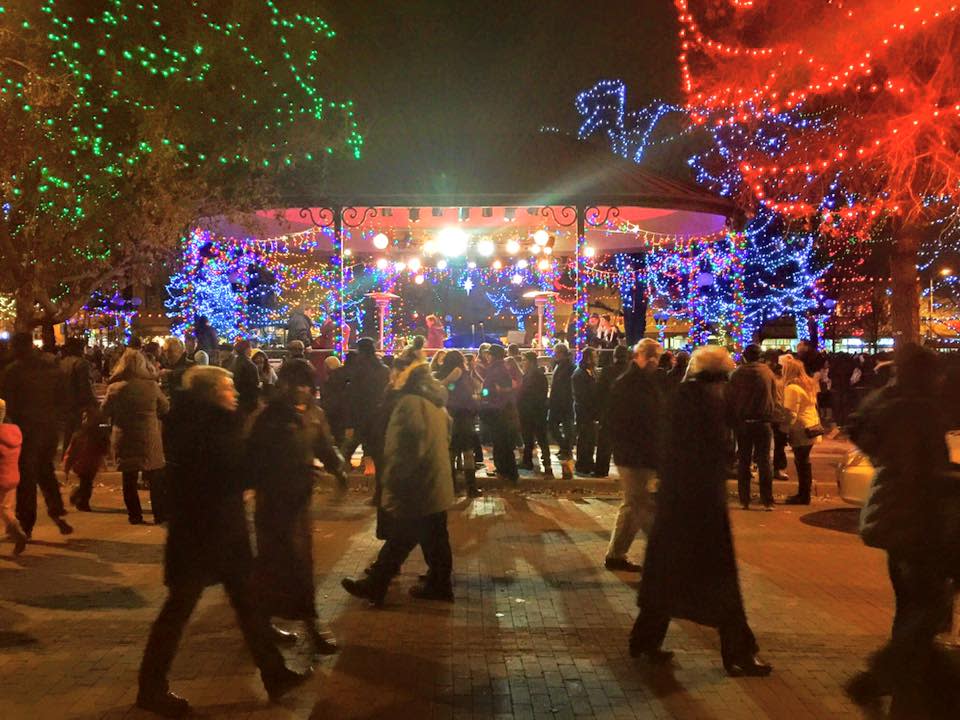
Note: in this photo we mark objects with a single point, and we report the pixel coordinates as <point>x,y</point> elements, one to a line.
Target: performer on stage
<point>435,332</point>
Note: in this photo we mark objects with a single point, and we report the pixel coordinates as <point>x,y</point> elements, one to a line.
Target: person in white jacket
<point>803,428</point>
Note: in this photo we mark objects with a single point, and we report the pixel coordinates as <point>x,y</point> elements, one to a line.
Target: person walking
<point>366,384</point>
<point>902,429</point>
<point>462,406</point>
<point>585,408</point>
<point>207,539</point>
<point>751,394</point>
<point>333,396</point>
<point>11,440</point>
<point>498,411</point>
<point>561,415</point>
<point>85,456</point>
<point>32,386</point>
<point>636,417</point>
<point>608,375</point>
<point>802,427</point>
<point>417,486</point>
<point>287,436</point>
<point>690,570</point>
<point>246,378</point>
<point>532,405</point>
<point>77,386</point>
<point>135,404</point>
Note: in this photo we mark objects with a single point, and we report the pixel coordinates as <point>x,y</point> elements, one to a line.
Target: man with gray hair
<point>636,421</point>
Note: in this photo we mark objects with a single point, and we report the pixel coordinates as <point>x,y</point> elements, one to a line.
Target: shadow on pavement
<point>845,520</point>
<point>116,551</point>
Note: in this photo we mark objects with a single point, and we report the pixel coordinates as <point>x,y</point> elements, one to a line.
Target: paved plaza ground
<point>538,629</point>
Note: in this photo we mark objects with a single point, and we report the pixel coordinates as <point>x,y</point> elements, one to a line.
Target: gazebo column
<point>341,290</point>
<point>581,302</point>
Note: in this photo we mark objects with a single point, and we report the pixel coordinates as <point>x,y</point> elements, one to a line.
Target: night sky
<point>437,70</point>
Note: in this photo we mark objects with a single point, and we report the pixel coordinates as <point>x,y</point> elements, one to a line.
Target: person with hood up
<point>10,441</point>
<point>690,570</point>
<point>287,436</point>
<point>561,407</point>
<point>207,542</point>
<point>417,486</point>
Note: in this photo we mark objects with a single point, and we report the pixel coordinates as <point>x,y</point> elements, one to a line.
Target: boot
<point>165,704</point>
<point>19,540</point>
<point>365,589</point>
<point>321,645</point>
<point>566,467</point>
<point>750,666</point>
<point>283,682</point>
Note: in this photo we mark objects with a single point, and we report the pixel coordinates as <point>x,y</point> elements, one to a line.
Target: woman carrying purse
<point>803,428</point>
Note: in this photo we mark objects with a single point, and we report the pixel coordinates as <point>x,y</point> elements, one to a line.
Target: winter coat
<point>608,376</point>
<point>333,398</point>
<point>300,327</point>
<point>497,391</point>
<point>801,409</point>
<point>368,379</point>
<point>462,406</point>
<point>246,378</point>
<point>135,406</point>
<point>206,339</point>
<point>561,390</point>
<point>690,570</point>
<point>172,380</point>
<point>11,440</point>
<point>417,478</point>
<point>33,389</point>
<point>207,537</point>
<point>280,457</point>
<point>77,384</point>
<point>585,400</point>
<point>905,439</point>
<point>532,399</point>
<point>87,449</point>
<point>635,419</point>
<point>752,392</point>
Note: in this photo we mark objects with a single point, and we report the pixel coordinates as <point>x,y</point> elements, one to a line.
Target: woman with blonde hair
<point>803,427</point>
<point>690,570</point>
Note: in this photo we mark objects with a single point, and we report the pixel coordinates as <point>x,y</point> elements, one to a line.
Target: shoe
<point>655,656</point>
<point>548,472</point>
<point>135,520</point>
<point>797,500</point>
<point>164,704</point>
<point>321,645</point>
<point>621,565</point>
<point>744,506</point>
<point>19,542</point>
<point>63,526</point>
<point>432,591</point>
<point>748,667</point>
<point>768,507</point>
<point>83,507</point>
<point>780,475</point>
<point>283,682</point>
<point>283,637</point>
<point>365,590</point>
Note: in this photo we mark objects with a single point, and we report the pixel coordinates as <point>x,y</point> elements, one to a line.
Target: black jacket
<point>635,419</point>
<point>207,538</point>
<point>246,378</point>
<point>33,389</point>
<point>585,397</point>
<point>608,376</point>
<point>751,393</point>
<point>532,397</point>
<point>561,389</point>
<point>367,382</point>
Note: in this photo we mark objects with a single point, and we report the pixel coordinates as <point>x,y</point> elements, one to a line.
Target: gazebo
<point>522,210</point>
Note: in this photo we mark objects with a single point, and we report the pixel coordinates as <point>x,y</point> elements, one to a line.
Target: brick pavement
<point>538,630</point>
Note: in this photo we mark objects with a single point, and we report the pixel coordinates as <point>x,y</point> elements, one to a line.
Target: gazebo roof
<point>499,170</point>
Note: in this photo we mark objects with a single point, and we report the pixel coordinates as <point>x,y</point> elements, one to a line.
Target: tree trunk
<point>905,286</point>
<point>26,317</point>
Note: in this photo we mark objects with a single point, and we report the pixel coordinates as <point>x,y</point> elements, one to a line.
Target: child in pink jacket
<point>10,441</point>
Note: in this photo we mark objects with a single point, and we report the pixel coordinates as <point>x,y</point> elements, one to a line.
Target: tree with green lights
<point>123,122</point>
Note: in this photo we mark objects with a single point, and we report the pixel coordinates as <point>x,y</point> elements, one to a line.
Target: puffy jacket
<point>10,441</point>
<point>751,393</point>
<point>417,478</point>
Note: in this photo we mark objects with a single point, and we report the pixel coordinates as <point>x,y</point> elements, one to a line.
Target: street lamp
<point>944,272</point>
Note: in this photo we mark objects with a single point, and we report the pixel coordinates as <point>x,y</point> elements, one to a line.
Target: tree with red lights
<point>844,113</point>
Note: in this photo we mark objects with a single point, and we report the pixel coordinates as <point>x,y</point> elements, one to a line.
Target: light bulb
<point>485,247</point>
<point>541,237</point>
<point>452,241</point>
<point>589,251</point>
<point>513,247</point>
<point>382,264</point>
<point>380,241</point>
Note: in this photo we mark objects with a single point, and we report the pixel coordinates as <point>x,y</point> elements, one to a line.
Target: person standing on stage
<point>300,326</point>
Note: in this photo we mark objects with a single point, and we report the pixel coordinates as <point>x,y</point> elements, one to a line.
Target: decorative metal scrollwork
<point>356,216</point>
<point>322,217</point>
<point>596,216</point>
<point>564,215</point>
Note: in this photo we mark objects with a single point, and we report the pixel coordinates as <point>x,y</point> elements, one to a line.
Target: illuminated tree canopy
<point>125,121</point>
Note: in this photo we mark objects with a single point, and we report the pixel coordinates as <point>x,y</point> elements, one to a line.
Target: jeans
<point>636,511</point>
<point>430,533</point>
<point>131,498</point>
<point>753,439</point>
<point>168,628</point>
<point>586,445</point>
<point>801,458</point>
<point>601,466</point>
<point>534,432</point>
<point>502,436</point>
<point>562,430</point>
<point>779,450</point>
<point>36,470</point>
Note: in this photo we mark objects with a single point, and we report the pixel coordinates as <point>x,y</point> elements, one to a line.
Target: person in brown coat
<point>135,405</point>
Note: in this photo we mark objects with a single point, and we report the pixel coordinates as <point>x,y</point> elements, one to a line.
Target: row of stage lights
<point>454,242</point>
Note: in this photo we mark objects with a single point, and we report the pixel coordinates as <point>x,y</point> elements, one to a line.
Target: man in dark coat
<point>561,407</point>
<point>752,396</point>
<point>32,385</point>
<point>608,376</point>
<point>417,485</point>
<point>287,436</point>
<point>207,540</point>
<point>366,384</point>
<point>78,387</point>
<point>586,410</point>
<point>497,413</point>
<point>300,326</point>
<point>635,415</point>
<point>532,409</point>
<point>206,337</point>
<point>690,570</point>
<point>246,378</point>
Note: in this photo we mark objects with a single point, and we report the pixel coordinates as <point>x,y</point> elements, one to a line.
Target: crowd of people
<point>200,425</point>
